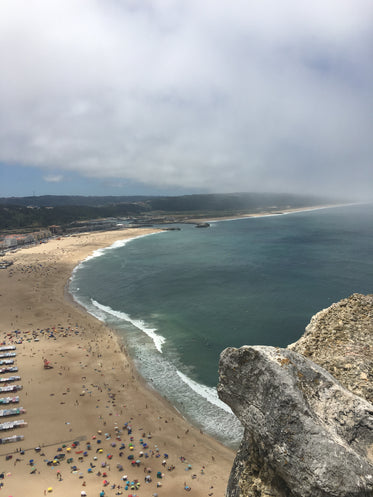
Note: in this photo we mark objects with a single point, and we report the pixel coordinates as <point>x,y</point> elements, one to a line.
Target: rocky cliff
<point>308,426</point>
<point>340,339</point>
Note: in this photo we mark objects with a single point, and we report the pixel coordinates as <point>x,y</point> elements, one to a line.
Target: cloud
<point>221,96</point>
<point>53,178</point>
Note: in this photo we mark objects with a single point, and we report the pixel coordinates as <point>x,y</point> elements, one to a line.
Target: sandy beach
<point>111,432</point>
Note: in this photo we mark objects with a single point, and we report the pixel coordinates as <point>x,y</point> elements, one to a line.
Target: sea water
<point>179,298</point>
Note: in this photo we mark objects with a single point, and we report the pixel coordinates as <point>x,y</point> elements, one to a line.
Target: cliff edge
<point>308,427</point>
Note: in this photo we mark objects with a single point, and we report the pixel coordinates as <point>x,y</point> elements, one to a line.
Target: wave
<point>102,251</point>
<point>118,244</point>
<point>209,393</point>
<point>158,340</point>
<point>198,402</point>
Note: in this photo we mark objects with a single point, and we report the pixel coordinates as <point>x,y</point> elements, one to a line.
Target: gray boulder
<point>305,434</point>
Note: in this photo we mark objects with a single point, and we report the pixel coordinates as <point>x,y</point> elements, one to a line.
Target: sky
<point>121,97</point>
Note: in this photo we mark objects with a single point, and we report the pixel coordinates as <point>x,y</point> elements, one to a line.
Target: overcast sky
<point>173,96</point>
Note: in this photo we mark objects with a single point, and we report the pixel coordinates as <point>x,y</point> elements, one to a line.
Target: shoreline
<point>79,396</point>
<point>281,212</point>
<point>93,384</point>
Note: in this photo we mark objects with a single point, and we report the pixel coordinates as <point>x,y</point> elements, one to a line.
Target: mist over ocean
<point>180,297</point>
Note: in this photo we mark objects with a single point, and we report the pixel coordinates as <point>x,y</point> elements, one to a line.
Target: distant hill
<point>249,202</point>
<point>65,200</point>
<point>43,211</point>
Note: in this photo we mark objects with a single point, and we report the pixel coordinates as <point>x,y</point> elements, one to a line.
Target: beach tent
<point>9,379</point>
<point>14,438</point>
<point>11,388</point>
<point>9,400</point>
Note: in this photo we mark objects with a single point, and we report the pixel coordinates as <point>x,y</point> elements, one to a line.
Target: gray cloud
<point>221,96</point>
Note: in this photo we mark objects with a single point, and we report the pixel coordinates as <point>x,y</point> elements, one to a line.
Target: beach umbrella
<point>50,489</point>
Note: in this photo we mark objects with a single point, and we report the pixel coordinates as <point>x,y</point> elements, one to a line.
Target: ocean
<point>178,298</point>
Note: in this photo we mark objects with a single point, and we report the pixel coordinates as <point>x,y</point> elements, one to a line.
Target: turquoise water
<point>180,297</point>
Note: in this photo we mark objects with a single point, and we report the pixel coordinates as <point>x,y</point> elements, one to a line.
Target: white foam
<point>115,245</point>
<point>208,393</point>
<point>102,251</point>
<point>158,340</point>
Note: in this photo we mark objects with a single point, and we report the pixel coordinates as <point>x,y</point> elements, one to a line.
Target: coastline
<point>271,213</point>
<point>93,384</point>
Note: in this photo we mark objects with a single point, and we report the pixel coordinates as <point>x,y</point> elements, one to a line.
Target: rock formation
<point>306,434</point>
<point>340,339</point>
